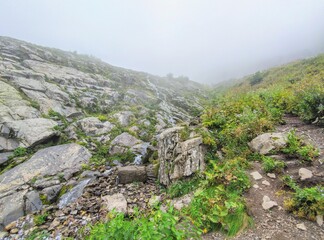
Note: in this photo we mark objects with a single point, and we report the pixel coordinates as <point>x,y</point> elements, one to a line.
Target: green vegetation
<point>270,165</point>
<point>156,225</point>
<point>296,148</point>
<point>304,202</point>
<point>183,187</point>
<point>40,219</point>
<point>38,234</point>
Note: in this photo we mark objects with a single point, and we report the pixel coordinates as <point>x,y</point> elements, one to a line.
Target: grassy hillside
<point>230,121</point>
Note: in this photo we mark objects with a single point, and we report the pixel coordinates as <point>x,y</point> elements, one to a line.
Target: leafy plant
<point>40,219</point>
<point>271,165</point>
<point>182,187</point>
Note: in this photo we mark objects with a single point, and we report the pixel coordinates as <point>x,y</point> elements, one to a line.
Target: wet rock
<point>256,175</point>
<point>33,202</point>
<point>268,204</point>
<point>115,202</point>
<point>266,142</point>
<point>179,158</point>
<point>73,194</point>
<point>305,174</point>
<point>131,174</point>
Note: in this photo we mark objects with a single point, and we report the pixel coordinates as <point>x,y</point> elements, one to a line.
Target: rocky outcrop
<point>92,126</point>
<point>266,142</point>
<point>179,158</point>
<point>25,133</point>
<point>14,196</point>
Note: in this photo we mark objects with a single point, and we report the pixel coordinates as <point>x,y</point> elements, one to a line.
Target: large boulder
<point>267,142</point>
<point>92,126</point>
<point>13,106</point>
<point>66,159</point>
<point>25,133</point>
<point>179,158</point>
<point>131,174</point>
<point>123,142</point>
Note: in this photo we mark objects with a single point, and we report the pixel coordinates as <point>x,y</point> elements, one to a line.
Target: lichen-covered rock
<point>92,126</point>
<point>266,142</point>
<point>26,133</point>
<point>179,158</point>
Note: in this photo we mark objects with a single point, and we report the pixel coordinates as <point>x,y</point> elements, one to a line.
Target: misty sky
<point>206,40</point>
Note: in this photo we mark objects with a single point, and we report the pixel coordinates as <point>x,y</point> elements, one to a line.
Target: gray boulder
<point>11,208</point>
<point>131,174</point>
<point>33,202</point>
<point>124,117</point>
<point>123,142</point>
<point>4,157</point>
<point>179,158</point>
<point>26,133</point>
<point>66,159</point>
<point>92,126</point>
<point>266,142</point>
<point>73,194</point>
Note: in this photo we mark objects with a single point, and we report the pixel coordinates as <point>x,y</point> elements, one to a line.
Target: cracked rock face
<point>179,158</point>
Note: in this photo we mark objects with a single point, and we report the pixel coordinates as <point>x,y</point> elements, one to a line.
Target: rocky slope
<point>62,113</point>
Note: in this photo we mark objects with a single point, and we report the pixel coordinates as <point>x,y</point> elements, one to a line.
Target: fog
<point>207,40</point>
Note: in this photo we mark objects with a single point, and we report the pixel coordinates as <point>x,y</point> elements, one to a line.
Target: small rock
<point>116,201</point>
<point>10,226</point>
<point>301,226</point>
<point>271,175</point>
<point>265,182</point>
<point>305,174</point>
<point>154,200</point>
<point>319,220</point>
<point>14,231</point>
<point>256,186</point>
<point>267,203</point>
<point>3,235</point>
<point>256,175</point>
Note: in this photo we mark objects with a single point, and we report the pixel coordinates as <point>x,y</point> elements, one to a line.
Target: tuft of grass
<point>40,219</point>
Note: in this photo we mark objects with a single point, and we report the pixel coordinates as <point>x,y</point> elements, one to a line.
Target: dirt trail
<point>276,223</point>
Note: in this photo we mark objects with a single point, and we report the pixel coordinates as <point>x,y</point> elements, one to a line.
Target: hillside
<point>93,151</point>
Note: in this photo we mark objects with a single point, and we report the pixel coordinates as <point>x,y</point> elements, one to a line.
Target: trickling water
<point>138,158</point>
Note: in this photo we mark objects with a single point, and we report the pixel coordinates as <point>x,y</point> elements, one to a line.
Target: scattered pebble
<point>256,186</point>
<point>267,203</point>
<point>305,174</point>
<point>265,182</point>
<point>271,175</point>
<point>301,226</point>
<point>319,220</point>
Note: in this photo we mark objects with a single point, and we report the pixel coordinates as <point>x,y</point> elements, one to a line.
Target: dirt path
<point>276,223</point>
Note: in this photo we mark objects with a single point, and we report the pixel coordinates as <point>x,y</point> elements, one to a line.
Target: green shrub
<point>271,165</point>
<point>182,187</point>
<point>215,208</point>
<point>295,147</point>
<point>40,219</point>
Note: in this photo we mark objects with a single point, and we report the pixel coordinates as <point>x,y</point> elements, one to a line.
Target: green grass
<point>270,165</point>
<point>182,187</point>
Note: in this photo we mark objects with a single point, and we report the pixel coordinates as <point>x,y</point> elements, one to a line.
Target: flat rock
<point>72,195</point>
<point>66,159</point>
<point>266,142</point>
<point>304,173</point>
<point>301,226</point>
<point>267,203</point>
<point>271,175</point>
<point>265,182</point>
<point>26,133</point>
<point>92,126</point>
<point>131,174</point>
<point>115,202</point>
<point>256,175</point>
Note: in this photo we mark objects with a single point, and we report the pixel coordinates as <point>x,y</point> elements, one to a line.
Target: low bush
<point>271,165</point>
